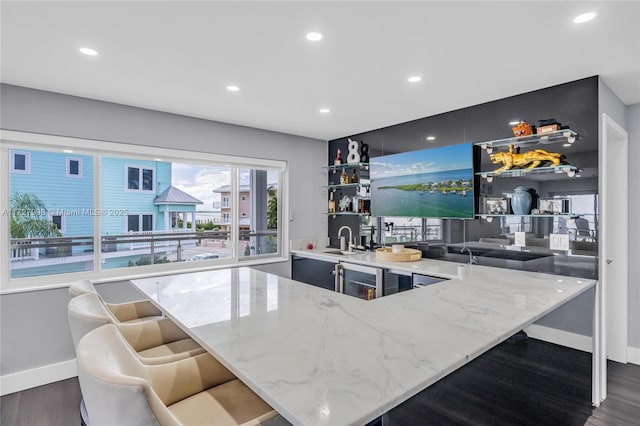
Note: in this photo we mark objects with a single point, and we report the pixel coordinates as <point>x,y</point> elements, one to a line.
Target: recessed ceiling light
<point>585,17</point>
<point>314,36</point>
<point>324,110</point>
<point>88,51</point>
<point>431,138</point>
<point>232,88</point>
<point>566,144</point>
<point>68,151</point>
<point>514,123</point>
<point>414,79</point>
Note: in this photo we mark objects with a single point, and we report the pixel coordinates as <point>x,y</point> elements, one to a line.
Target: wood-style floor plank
<point>530,383</point>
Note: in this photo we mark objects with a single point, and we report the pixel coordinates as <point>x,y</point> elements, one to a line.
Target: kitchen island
<point>323,358</point>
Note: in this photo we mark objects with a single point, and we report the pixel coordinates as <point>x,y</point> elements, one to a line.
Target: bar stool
<point>119,389</point>
<point>129,311</point>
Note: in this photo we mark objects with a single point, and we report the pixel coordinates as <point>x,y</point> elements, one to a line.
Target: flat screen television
<point>434,182</point>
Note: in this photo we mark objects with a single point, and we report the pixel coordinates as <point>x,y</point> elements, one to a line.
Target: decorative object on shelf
<point>547,125</point>
<point>554,206</point>
<point>522,129</point>
<point>496,205</point>
<point>332,203</point>
<point>364,152</point>
<point>354,176</point>
<point>531,159</point>
<point>354,204</point>
<point>521,200</point>
<point>338,160</point>
<point>353,156</point>
<point>344,204</point>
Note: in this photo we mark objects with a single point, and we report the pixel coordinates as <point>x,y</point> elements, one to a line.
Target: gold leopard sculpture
<point>531,159</point>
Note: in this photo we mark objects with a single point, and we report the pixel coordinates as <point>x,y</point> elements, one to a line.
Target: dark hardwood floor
<point>526,383</point>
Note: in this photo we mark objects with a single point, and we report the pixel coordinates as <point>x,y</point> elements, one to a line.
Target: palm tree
<point>29,217</point>
<point>272,208</point>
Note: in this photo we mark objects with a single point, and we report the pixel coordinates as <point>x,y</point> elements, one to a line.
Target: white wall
<point>33,325</point>
<point>633,127</point>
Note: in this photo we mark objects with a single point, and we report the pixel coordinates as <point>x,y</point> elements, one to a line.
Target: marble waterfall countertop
<point>324,358</point>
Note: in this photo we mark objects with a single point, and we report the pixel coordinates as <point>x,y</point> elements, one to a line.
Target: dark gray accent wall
<point>35,332</point>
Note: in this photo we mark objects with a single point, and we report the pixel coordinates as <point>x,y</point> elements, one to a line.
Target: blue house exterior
<point>136,197</point>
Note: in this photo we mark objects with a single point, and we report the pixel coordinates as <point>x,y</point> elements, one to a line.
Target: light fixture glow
<point>431,138</point>
<point>324,110</point>
<point>67,151</point>
<point>414,79</point>
<point>514,123</point>
<point>314,36</point>
<point>566,144</point>
<point>585,17</point>
<point>232,88</point>
<point>158,159</point>
<point>88,51</point>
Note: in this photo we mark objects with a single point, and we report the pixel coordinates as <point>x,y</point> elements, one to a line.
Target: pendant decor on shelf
<point>364,152</point>
<point>521,200</point>
<point>353,155</point>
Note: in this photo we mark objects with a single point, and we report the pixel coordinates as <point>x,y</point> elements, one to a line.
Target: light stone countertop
<point>323,358</point>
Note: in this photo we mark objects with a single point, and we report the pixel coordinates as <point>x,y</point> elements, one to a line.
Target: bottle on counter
<point>332,203</point>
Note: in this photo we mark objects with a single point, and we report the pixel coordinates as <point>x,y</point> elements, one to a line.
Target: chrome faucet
<point>343,246</point>
<point>472,259</point>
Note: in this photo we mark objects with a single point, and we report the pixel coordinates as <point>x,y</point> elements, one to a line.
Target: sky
<point>200,181</point>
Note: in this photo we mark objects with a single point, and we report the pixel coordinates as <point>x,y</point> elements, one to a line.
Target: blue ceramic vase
<point>521,200</point>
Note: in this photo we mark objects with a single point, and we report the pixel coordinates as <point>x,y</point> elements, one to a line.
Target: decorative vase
<point>521,200</point>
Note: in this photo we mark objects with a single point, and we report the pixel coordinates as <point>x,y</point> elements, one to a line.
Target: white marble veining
<point>324,358</point>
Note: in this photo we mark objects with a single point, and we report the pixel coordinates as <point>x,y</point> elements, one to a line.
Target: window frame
<point>140,221</point>
<point>27,162</point>
<point>141,169</point>
<point>16,141</point>
<point>68,161</point>
<point>63,222</point>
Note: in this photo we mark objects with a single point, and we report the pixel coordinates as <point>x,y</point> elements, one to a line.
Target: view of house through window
<point>150,211</point>
<point>51,205</point>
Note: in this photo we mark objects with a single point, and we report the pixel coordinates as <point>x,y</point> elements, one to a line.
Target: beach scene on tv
<point>436,182</point>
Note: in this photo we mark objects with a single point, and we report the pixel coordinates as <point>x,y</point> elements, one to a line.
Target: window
<point>21,162</point>
<point>139,179</point>
<point>49,211</point>
<point>144,211</point>
<point>74,167</point>
<point>140,222</point>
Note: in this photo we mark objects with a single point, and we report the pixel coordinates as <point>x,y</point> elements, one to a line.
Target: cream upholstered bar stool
<point>124,312</point>
<point>156,341</point>
<point>120,390</point>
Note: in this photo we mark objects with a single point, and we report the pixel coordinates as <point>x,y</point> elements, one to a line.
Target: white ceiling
<point>180,56</point>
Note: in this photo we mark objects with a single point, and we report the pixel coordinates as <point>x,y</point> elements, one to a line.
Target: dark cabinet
<point>314,272</point>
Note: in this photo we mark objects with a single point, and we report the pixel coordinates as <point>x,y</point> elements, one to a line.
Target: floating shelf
<point>563,135</point>
<point>563,215</point>
<point>336,167</point>
<point>563,168</point>
<point>348,185</point>
<point>346,214</point>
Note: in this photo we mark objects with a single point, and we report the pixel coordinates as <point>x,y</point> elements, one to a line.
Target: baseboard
<point>560,337</point>
<point>633,355</point>
<point>35,377</point>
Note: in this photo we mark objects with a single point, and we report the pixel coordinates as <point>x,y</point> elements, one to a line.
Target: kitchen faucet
<point>472,259</point>
<point>343,246</point>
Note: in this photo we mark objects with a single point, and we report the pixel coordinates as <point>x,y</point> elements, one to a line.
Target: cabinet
<point>351,197</point>
<point>315,272</point>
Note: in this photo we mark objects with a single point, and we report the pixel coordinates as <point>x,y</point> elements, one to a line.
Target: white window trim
<point>140,174</point>
<point>68,161</point>
<point>140,214</point>
<point>16,140</point>
<point>63,221</point>
<point>27,162</point>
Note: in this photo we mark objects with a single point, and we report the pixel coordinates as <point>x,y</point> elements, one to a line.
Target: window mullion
<point>97,246</point>
<point>235,212</point>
